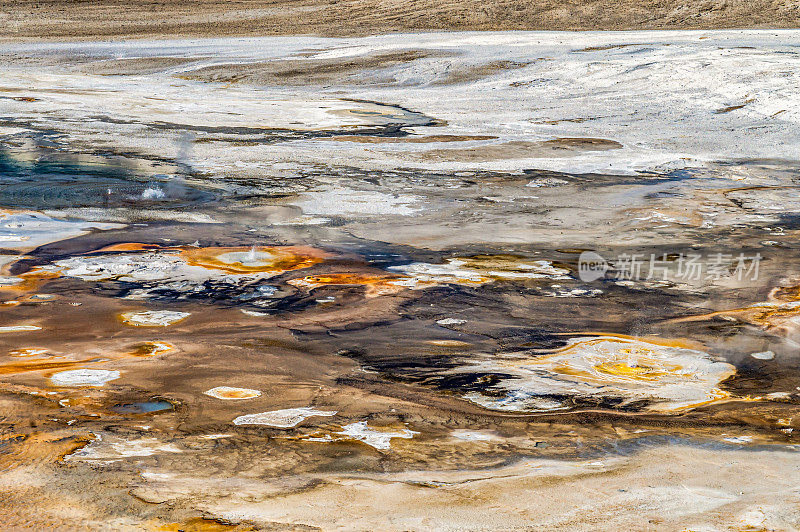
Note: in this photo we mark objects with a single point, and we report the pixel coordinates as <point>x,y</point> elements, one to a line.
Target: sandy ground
<point>27,19</point>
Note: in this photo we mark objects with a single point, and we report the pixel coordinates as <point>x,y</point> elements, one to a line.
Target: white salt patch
<point>230,393</point>
<point>281,418</point>
<point>153,318</point>
<point>156,348</point>
<point>739,439</point>
<point>28,230</point>
<point>473,435</point>
<point>84,377</point>
<point>19,328</point>
<point>436,273</point>
<point>513,400</point>
<point>166,267</point>
<point>374,438</point>
<point>558,291</point>
<point>304,220</point>
<point>460,271</point>
<point>344,201</point>
<point>150,475</point>
<point>42,297</point>
<point>28,352</point>
<point>118,449</point>
<point>132,267</point>
<point>450,321</point>
<point>763,355</point>
<point>546,182</point>
<point>606,367</point>
<point>123,215</point>
<point>778,395</point>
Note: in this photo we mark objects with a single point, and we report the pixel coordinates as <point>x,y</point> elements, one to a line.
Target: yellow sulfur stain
<point>641,370</point>
<point>239,260</point>
<point>42,365</point>
<point>449,343</point>
<point>201,524</point>
<point>37,448</point>
<point>669,378</point>
<point>31,281</point>
<point>149,349</point>
<point>375,284</point>
<point>127,247</point>
<point>227,392</point>
<point>680,343</point>
<point>779,314</point>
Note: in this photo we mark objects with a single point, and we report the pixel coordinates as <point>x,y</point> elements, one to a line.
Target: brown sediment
<point>456,344</point>
<point>44,365</point>
<point>342,70</point>
<point>137,65</point>
<point>518,149</point>
<point>582,143</point>
<point>41,360</point>
<point>346,311</point>
<point>606,47</point>
<point>730,108</point>
<point>467,74</point>
<point>413,140</point>
<point>22,449</point>
<point>502,264</point>
<point>24,98</point>
<point>570,120</point>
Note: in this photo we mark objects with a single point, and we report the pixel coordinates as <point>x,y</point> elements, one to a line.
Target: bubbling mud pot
<point>467,282</point>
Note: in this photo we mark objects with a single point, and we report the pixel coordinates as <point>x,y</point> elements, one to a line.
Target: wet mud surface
<point>267,348</point>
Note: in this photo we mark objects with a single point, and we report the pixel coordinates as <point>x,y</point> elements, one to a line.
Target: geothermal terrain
<point>411,281</point>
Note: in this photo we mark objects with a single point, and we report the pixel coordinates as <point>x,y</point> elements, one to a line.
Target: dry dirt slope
<point>32,19</point>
